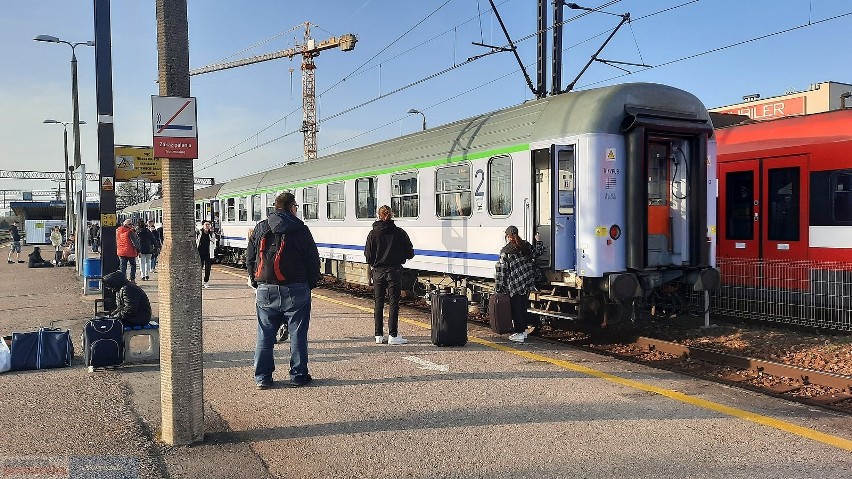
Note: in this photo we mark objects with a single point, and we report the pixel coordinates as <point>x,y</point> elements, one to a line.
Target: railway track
<point>807,386</point>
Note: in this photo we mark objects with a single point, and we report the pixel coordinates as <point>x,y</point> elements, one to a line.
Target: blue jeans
<point>276,304</point>
<point>123,261</point>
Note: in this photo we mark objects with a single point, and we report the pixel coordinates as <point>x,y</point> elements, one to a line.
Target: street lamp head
<point>414,111</point>
<point>51,121</point>
<point>90,43</point>
<point>46,38</point>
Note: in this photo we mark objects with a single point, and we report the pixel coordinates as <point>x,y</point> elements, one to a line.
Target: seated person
<point>36,261</point>
<point>132,305</point>
<point>68,250</point>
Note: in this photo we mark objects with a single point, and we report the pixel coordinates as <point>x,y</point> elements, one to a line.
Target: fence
<point>813,294</point>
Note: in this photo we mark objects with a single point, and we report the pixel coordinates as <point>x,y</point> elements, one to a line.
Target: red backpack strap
<point>279,258</point>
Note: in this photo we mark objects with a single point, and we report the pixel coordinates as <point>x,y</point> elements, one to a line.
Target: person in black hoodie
<point>283,266</point>
<point>388,247</point>
<point>132,305</point>
<point>36,261</point>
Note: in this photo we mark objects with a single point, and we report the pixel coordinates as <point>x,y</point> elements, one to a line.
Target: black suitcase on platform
<point>42,349</point>
<point>103,343</point>
<point>449,319</point>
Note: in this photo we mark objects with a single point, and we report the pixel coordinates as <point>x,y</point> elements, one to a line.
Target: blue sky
<point>399,43</point>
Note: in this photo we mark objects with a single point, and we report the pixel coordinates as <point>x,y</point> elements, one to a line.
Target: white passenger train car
<point>619,181</point>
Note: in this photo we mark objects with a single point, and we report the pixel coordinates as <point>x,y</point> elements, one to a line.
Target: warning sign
<point>610,154</point>
<point>137,162</point>
<point>108,220</point>
<point>107,183</point>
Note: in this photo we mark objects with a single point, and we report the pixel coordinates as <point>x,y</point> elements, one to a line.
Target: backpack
<point>270,258</point>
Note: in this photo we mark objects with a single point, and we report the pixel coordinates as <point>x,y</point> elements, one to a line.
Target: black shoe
<point>19,261</point>
<point>10,261</point>
<point>297,383</point>
<point>264,385</point>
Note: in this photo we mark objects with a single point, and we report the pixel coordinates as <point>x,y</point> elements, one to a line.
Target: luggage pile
<point>102,340</point>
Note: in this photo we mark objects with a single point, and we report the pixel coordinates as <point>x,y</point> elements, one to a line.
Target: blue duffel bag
<point>43,349</point>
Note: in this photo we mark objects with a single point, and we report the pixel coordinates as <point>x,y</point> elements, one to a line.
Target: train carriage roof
<point>601,110</point>
<point>786,132</point>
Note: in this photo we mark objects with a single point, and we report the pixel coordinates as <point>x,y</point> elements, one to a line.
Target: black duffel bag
<point>43,349</point>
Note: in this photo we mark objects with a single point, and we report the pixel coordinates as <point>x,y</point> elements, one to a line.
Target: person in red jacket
<point>127,245</point>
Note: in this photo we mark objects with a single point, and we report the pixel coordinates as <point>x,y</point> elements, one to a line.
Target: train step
<point>550,297</point>
<point>553,314</point>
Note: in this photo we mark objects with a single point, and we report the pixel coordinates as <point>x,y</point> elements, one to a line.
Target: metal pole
<point>67,180</point>
<point>75,103</point>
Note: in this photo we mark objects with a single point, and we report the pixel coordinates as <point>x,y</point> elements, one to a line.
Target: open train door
<point>554,206</point>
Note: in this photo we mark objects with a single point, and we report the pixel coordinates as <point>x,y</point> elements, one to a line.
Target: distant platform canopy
<point>50,210</point>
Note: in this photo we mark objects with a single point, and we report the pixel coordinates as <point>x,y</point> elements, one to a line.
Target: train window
<point>365,189</point>
<point>500,185</point>
<point>270,203</point>
<point>241,203</point>
<point>452,191</point>
<point>565,159</point>
<point>658,174</point>
<point>841,196</point>
<point>405,202</point>
<point>310,203</point>
<point>256,208</point>
<point>197,212</point>
<point>739,196</point>
<point>335,201</point>
<point>231,214</point>
<point>783,203</point>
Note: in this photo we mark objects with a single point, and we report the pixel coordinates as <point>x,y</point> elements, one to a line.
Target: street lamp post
<point>66,169</point>
<point>75,104</point>
<point>413,111</point>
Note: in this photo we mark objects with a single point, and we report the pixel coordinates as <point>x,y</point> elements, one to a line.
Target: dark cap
<point>512,230</point>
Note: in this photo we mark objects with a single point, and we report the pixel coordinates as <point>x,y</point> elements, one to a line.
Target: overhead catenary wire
<point>714,50</point>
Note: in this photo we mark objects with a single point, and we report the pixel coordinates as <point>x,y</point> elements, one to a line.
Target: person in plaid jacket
<point>516,275</point>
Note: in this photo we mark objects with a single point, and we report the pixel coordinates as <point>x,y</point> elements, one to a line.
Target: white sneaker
<point>206,285</point>
<point>380,339</point>
<point>397,340</point>
<point>518,337</point>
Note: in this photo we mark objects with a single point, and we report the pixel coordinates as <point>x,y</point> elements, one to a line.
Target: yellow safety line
<point>835,441</point>
<point>785,426</point>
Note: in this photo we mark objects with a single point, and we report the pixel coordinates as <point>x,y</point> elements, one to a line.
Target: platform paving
<point>490,409</point>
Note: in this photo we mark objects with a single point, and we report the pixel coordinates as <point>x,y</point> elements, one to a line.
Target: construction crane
<point>309,50</point>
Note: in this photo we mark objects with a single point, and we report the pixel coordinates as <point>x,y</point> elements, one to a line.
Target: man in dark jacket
<point>283,293</point>
<point>132,305</point>
<point>388,247</point>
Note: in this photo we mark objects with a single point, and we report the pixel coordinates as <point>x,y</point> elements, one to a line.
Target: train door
<point>543,204</point>
<point>765,220</point>
<point>739,232</point>
<point>554,206</point>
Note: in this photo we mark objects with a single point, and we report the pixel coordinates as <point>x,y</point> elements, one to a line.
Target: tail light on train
<point>615,232</point>
<point>706,279</point>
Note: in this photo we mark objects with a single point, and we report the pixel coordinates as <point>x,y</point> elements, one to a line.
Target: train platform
<point>489,409</point>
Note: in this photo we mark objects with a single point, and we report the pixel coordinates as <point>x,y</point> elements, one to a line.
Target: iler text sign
<point>175,127</point>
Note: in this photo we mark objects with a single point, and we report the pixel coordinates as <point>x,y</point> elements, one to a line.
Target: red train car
<point>785,211</point>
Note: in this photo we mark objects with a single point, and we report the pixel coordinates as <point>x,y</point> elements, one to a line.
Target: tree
<point>132,192</point>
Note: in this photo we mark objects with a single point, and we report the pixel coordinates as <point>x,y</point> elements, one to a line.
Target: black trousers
<point>387,280</point>
<point>520,316</point>
<point>206,263</point>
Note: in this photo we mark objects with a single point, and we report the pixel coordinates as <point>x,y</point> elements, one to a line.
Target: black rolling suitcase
<point>103,343</point>
<point>449,319</point>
